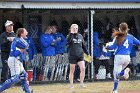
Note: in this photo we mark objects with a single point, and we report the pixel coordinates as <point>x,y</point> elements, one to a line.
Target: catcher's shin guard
<point>24,82</point>
<point>7,84</point>
<point>25,86</point>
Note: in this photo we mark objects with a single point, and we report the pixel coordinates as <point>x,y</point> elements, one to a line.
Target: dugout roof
<point>37,4</point>
<point>75,0</point>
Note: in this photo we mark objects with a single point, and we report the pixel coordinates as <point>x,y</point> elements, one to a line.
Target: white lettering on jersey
<point>126,43</point>
<point>77,40</point>
<point>17,48</point>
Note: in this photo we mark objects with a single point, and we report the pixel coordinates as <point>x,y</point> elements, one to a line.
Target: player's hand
<point>107,44</point>
<point>10,38</point>
<point>35,56</point>
<point>22,50</point>
<point>54,41</point>
<point>58,39</point>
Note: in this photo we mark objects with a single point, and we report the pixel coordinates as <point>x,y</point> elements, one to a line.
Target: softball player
<point>122,44</point>
<point>18,47</point>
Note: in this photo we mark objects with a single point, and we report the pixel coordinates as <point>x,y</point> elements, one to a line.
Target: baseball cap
<point>8,23</point>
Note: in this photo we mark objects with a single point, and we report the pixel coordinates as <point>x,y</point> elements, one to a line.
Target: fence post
<point>92,12</point>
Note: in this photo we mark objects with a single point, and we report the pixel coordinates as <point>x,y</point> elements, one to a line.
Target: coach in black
<point>76,49</point>
<point>6,39</point>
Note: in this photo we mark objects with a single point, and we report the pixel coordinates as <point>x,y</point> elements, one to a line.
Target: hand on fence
<point>58,39</point>
<point>30,65</point>
<point>35,57</point>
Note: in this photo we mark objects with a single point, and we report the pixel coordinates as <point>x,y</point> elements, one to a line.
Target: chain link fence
<point>56,68</point>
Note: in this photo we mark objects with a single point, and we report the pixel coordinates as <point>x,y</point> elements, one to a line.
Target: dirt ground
<point>92,87</point>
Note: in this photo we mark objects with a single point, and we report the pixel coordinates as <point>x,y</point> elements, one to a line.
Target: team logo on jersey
<point>77,40</point>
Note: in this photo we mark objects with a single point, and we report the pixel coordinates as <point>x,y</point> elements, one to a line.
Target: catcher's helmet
<point>21,43</point>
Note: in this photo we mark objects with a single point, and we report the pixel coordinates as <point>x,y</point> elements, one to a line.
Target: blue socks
<point>115,84</point>
<point>117,80</point>
<point>120,74</point>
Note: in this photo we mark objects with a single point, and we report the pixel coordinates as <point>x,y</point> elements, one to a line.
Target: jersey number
<point>126,43</point>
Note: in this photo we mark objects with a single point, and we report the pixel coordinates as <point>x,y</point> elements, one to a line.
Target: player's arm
<point>69,38</point>
<point>14,50</point>
<point>18,47</point>
<point>84,47</point>
<point>3,39</point>
<point>136,41</point>
<point>63,38</point>
<point>95,38</point>
<point>33,46</point>
<point>17,52</point>
<point>45,42</point>
<point>111,45</point>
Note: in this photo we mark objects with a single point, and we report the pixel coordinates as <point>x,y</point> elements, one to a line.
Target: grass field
<point>92,87</point>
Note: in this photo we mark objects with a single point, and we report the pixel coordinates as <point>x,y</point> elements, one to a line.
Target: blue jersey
<point>15,52</point>
<point>133,51</point>
<point>126,46</point>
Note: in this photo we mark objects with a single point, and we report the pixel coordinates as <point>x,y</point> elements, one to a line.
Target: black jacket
<point>5,43</point>
<point>76,46</point>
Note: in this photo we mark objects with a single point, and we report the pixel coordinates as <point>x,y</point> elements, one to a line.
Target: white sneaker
<point>108,75</point>
<point>78,80</point>
<point>114,91</point>
<point>72,88</point>
<point>126,73</point>
<point>82,86</point>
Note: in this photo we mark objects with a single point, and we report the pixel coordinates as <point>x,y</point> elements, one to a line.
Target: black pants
<point>5,69</point>
<point>98,63</point>
<point>4,73</point>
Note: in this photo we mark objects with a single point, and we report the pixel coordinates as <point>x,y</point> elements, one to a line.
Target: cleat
<point>126,73</point>
<point>115,91</point>
<point>108,76</point>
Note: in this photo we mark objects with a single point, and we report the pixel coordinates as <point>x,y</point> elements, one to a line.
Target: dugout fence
<point>56,68</point>
<point>53,68</point>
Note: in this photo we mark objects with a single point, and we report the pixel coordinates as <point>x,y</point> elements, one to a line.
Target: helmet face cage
<point>21,43</point>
